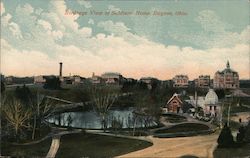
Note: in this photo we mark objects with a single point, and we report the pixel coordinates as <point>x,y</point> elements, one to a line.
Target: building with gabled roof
<point>226,79</point>
<point>174,104</point>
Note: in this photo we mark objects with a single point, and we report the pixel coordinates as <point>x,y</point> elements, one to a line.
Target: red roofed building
<point>228,79</point>
<point>174,104</point>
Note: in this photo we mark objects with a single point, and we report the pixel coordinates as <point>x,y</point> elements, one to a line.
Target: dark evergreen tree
<point>225,139</point>
<point>52,83</point>
<point>247,133</point>
<point>220,93</point>
<point>23,94</point>
<point>2,87</point>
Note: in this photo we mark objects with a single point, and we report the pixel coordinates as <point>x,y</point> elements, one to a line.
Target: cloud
<point>22,63</point>
<point>60,8</point>
<point>57,37</point>
<point>46,25</point>
<point>113,8</point>
<point>12,27</point>
<point>5,20</point>
<point>27,9</point>
<point>117,28</point>
<point>145,59</point>
<point>210,22</point>
<point>84,3</point>
<point>91,21</point>
<point>214,32</point>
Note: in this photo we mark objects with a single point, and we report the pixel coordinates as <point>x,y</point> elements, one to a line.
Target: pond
<point>91,120</point>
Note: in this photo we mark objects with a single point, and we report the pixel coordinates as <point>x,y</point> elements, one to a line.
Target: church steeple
<point>228,65</point>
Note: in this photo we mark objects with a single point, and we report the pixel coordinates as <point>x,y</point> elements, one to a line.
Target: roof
<point>227,70</point>
<point>111,73</point>
<point>181,76</point>
<point>211,97</point>
<point>174,96</point>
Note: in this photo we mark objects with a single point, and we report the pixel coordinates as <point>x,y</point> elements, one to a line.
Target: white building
<point>112,78</point>
<point>39,79</point>
<point>180,81</point>
<point>203,81</point>
<point>211,104</point>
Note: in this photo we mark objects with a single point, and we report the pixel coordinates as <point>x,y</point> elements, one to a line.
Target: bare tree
<point>103,98</point>
<point>41,109</point>
<point>16,114</point>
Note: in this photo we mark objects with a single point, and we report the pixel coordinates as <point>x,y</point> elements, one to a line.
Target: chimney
<point>60,70</point>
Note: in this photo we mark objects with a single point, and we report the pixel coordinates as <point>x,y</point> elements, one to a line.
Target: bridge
<point>72,105</point>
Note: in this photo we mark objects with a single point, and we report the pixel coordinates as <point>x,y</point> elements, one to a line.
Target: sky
<point>38,34</point>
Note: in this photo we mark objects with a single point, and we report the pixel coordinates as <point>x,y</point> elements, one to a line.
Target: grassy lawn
<point>236,109</point>
<point>36,150</point>
<point>232,152</point>
<point>174,118</point>
<point>90,145</point>
<point>186,127</point>
<point>78,145</point>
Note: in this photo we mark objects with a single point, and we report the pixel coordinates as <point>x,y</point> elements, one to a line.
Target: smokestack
<point>60,70</point>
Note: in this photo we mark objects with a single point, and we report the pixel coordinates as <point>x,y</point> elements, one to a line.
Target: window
<point>210,107</point>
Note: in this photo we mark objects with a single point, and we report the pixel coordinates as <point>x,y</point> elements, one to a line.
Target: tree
<point>103,98</point>
<point>225,139</point>
<point>52,83</point>
<point>41,109</point>
<point>2,87</point>
<point>23,94</point>
<point>128,86</point>
<point>147,108</point>
<point>69,120</point>
<point>220,92</point>
<point>16,115</point>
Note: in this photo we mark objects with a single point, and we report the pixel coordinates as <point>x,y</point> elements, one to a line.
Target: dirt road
<point>200,146</point>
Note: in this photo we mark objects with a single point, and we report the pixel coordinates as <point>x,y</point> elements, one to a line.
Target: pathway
<point>54,147</point>
<point>244,116</point>
<point>200,146</point>
<point>55,144</point>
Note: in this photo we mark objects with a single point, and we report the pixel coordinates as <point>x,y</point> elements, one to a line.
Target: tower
<point>60,69</point>
<point>228,65</point>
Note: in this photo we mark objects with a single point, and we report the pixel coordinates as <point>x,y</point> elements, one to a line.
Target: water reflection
<point>91,120</point>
